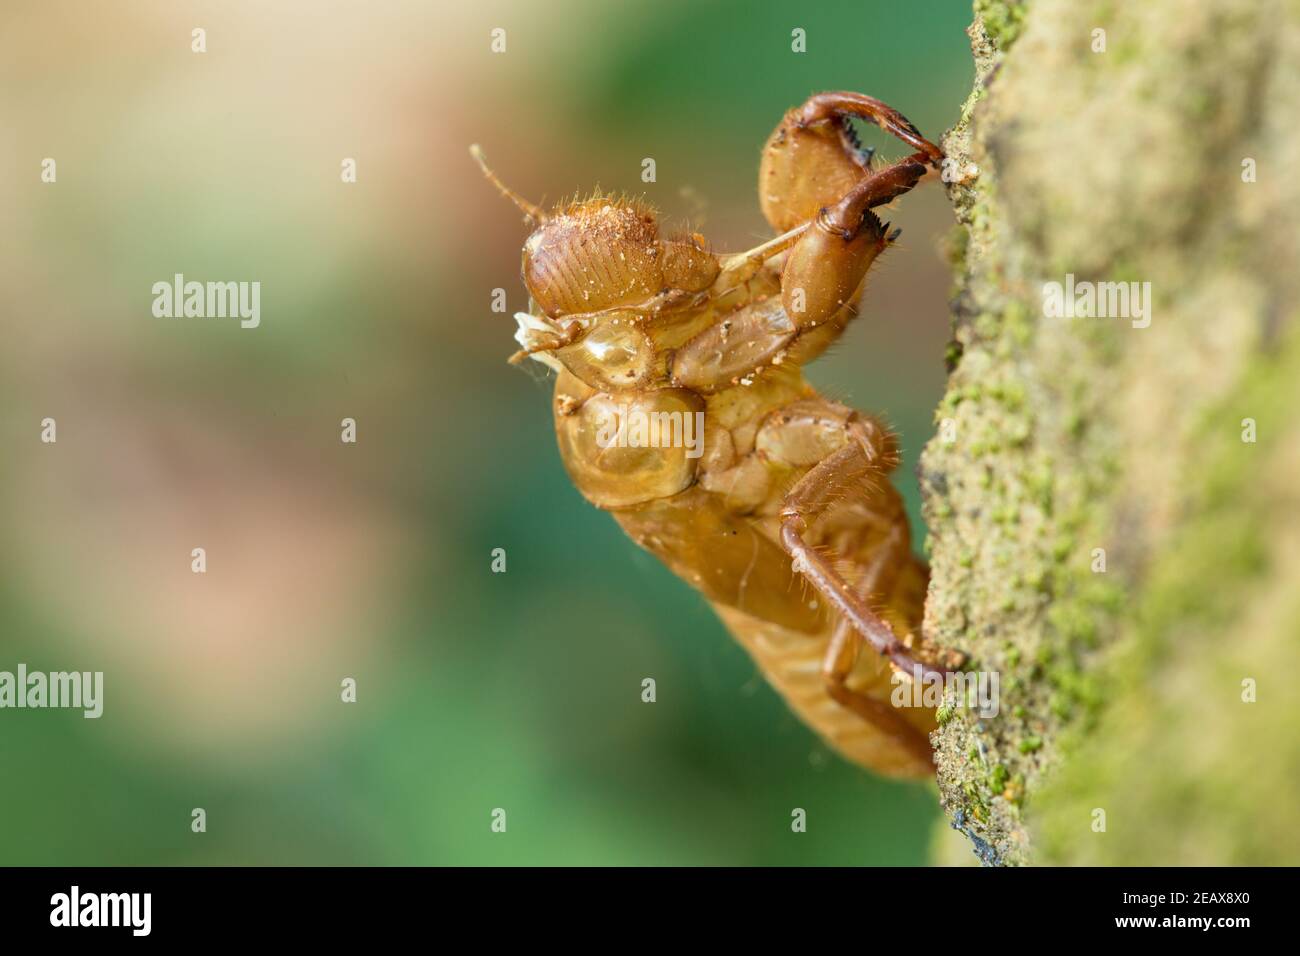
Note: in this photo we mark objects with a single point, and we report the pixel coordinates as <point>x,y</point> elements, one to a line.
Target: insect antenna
<point>533,212</point>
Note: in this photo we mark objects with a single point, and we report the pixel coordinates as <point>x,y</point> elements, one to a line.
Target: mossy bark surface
<point>1114,502</point>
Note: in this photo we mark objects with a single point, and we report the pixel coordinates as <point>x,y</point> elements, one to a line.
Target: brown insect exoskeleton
<point>779,510</point>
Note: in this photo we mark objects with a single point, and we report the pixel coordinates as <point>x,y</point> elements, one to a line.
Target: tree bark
<point>1114,506</point>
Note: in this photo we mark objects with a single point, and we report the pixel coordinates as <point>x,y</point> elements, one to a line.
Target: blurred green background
<point>326,560</point>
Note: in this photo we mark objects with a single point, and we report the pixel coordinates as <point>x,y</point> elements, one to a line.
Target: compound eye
<point>614,355</point>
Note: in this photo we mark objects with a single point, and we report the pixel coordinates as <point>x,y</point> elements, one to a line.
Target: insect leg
<point>882,186</point>
<point>826,106</point>
<point>823,486</point>
<point>738,267</point>
<point>841,655</point>
<point>827,267</point>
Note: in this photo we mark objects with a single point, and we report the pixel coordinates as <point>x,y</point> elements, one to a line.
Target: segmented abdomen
<point>791,661</point>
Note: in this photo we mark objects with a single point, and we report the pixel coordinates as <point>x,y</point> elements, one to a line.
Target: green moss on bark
<point>1066,446</point>
<point>1198,738</point>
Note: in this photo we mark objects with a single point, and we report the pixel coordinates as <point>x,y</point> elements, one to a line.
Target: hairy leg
<point>836,478</point>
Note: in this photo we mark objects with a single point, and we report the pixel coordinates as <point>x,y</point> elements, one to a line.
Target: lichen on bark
<point>1087,474</point>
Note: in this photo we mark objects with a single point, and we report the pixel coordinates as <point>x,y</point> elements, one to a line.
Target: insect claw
<point>893,237</point>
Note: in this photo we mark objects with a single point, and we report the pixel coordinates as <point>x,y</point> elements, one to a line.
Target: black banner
<point>332,905</point>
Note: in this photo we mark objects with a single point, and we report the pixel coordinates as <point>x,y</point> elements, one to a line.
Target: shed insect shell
<point>781,512</point>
